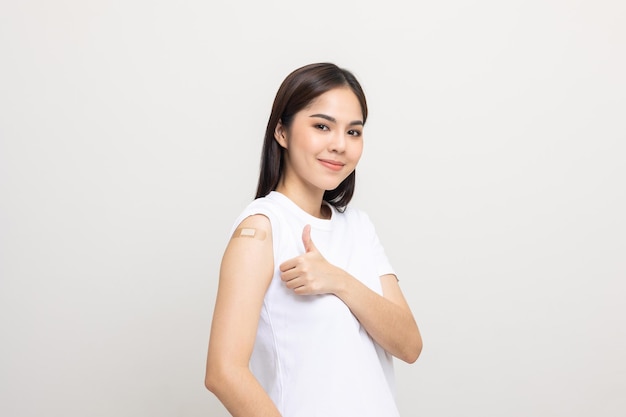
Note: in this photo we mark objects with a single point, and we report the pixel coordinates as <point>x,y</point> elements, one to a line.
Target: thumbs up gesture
<point>306,239</point>
<point>310,273</point>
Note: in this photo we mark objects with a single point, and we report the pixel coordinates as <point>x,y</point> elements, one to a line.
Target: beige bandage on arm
<point>249,232</point>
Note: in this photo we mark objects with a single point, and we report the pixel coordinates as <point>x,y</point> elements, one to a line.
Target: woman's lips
<point>330,164</point>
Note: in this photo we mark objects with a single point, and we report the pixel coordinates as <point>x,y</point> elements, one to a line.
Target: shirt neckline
<point>307,218</point>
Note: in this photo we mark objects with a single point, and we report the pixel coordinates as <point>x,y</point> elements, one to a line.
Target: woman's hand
<point>311,273</point>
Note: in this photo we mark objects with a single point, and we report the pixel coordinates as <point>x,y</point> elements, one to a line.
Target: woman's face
<point>324,142</point>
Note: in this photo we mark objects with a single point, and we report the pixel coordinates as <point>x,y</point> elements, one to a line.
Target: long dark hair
<point>295,93</point>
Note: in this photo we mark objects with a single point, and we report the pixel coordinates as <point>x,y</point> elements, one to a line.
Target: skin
<point>322,147</point>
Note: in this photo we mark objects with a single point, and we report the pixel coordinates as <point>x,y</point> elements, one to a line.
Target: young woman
<point>309,312</point>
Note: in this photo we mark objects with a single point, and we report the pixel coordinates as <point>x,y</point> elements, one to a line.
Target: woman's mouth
<point>333,165</point>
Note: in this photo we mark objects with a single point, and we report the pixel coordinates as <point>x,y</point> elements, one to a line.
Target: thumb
<point>306,239</point>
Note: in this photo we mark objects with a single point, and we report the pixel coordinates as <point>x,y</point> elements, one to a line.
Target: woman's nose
<point>338,142</point>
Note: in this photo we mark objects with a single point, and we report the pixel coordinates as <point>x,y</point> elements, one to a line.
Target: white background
<point>494,169</point>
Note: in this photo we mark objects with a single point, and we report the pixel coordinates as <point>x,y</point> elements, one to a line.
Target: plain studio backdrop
<point>494,169</point>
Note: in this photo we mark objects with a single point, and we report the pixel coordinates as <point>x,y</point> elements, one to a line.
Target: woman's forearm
<point>389,323</point>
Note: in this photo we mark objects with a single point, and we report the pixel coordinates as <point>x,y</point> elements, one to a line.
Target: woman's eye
<point>321,126</point>
<point>354,133</point>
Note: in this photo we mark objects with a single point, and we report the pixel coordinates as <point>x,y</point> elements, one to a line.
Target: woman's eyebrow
<point>332,119</point>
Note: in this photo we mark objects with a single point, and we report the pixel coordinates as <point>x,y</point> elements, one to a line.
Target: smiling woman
<point>323,145</point>
<point>309,313</point>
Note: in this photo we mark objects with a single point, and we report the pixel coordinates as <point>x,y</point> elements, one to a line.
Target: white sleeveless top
<point>311,355</point>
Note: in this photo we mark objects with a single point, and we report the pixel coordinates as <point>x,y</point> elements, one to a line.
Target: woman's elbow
<point>414,349</point>
<point>209,382</point>
<point>214,377</point>
<point>414,353</point>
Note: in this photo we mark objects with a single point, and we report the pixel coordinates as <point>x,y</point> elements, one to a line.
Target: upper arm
<point>245,274</point>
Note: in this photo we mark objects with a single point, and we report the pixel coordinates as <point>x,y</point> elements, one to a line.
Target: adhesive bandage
<point>249,232</point>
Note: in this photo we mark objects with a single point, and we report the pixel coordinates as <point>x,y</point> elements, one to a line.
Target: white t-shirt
<point>311,354</point>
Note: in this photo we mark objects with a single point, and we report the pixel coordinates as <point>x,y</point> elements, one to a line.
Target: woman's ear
<point>280,134</point>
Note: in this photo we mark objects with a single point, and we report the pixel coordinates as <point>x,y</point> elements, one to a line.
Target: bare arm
<point>387,318</point>
<point>245,273</point>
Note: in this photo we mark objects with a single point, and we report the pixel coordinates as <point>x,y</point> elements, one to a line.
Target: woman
<point>309,312</point>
